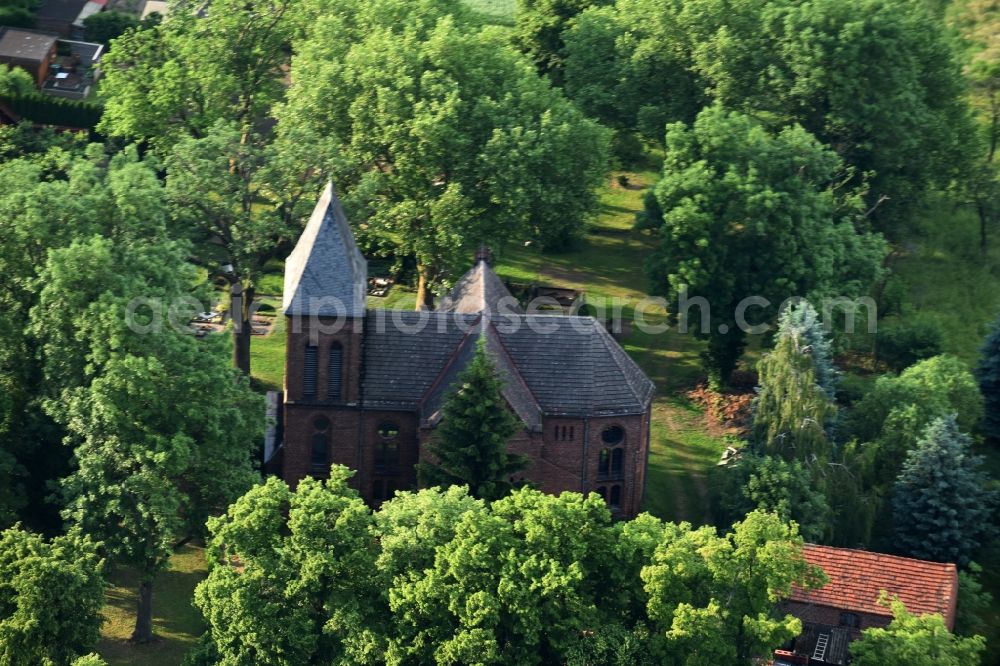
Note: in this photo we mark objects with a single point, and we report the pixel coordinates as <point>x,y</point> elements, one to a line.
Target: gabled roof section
<point>326,274</point>
<point>557,365</point>
<point>515,391</point>
<point>480,290</point>
<point>575,368</point>
<point>857,578</point>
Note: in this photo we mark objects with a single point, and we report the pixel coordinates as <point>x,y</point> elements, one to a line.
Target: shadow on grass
<point>176,622</point>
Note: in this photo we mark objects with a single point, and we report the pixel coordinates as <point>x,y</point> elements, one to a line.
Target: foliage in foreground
<point>915,641</point>
<point>440,577</point>
<point>51,593</point>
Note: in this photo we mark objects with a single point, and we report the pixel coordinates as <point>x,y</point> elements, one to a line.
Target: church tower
<point>326,280</point>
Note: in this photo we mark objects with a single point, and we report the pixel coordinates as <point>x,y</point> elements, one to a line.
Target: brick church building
<point>364,387</point>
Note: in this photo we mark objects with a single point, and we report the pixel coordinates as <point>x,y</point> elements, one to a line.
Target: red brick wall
<point>300,336</point>
<point>828,616</point>
<point>565,456</point>
<point>558,463</point>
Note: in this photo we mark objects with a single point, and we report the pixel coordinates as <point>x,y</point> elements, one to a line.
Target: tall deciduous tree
<point>747,213</point>
<point>715,598</point>
<point>515,585</point>
<point>470,444</point>
<point>162,436</point>
<point>540,27</point>
<point>988,375</point>
<point>162,429</point>
<point>200,88</point>
<point>445,136</point>
<point>292,579</point>
<point>942,500</point>
<point>791,409</point>
<point>51,593</point>
<point>877,81</point>
<point>913,640</point>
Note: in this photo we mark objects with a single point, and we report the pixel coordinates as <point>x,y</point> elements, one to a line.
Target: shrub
<point>904,344</point>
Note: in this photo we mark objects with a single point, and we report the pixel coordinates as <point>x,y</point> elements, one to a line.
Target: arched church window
<point>604,463</point>
<point>616,461</point>
<point>387,448</point>
<point>319,456</point>
<point>615,501</point>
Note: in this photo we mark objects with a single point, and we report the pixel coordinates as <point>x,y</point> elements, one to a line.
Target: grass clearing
<point>494,11</point>
<point>608,264</point>
<point>176,622</point>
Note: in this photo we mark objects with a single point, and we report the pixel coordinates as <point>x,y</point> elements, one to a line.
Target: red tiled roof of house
<point>857,577</point>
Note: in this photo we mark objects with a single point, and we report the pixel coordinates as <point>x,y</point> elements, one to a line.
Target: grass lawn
<point>176,622</point>
<point>494,11</point>
<point>608,264</point>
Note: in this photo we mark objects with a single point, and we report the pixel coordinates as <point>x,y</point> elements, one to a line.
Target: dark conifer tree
<point>988,375</point>
<point>942,501</point>
<point>470,446</point>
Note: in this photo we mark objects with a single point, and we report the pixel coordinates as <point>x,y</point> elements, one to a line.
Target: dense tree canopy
<point>445,137</point>
<point>877,81</point>
<point>540,28</point>
<point>439,577</point>
<point>51,593</point>
<point>746,213</point>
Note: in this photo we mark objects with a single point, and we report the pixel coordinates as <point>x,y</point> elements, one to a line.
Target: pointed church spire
<point>326,274</point>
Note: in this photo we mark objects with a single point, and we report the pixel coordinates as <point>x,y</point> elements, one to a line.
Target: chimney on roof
<point>483,254</point>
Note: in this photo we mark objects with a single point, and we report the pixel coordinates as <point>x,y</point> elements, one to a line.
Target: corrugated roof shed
<point>857,578</point>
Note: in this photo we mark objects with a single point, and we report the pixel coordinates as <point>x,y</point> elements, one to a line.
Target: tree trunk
<point>984,219</point>
<point>144,614</point>
<point>240,311</point>
<point>425,298</point>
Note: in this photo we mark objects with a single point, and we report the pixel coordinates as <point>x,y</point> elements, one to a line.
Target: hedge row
<point>60,111</point>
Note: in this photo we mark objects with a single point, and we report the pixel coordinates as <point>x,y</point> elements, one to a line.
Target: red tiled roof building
<point>849,603</point>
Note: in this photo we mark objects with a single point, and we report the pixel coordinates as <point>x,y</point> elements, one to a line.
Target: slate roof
<point>480,290</point>
<point>326,274</point>
<point>515,390</point>
<point>857,577</point>
<point>550,364</point>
